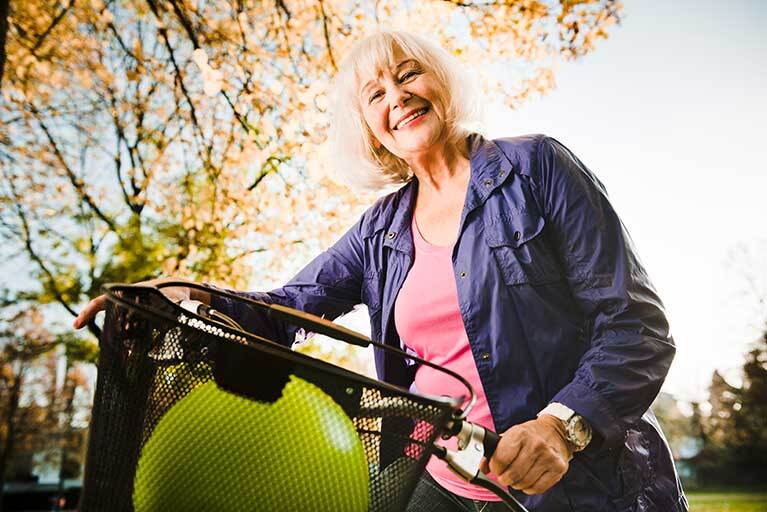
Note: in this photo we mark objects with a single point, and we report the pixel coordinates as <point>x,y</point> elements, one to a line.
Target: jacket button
<point>485,356</point>
<point>517,235</point>
<point>463,274</point>
<point>488,182</point>
<point>391,235</point>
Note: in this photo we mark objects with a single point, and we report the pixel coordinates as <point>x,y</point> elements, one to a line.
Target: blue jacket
<point>556,305</point>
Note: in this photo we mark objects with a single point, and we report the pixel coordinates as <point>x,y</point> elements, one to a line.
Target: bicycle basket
<point>173,420</point>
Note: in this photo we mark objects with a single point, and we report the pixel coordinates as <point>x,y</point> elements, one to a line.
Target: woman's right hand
<point>174,293</point>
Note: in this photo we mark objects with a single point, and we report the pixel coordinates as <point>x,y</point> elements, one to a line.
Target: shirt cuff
<point>607,427</point>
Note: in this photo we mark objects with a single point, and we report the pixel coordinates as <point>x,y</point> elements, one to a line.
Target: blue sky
<point>670,113</point>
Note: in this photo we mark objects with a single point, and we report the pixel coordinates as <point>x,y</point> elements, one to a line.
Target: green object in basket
<point>214,450</point>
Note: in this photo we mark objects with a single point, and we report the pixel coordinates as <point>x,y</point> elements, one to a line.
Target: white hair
<point>355,159</point>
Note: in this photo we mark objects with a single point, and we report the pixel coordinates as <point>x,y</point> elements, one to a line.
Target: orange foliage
<point>146,137</point>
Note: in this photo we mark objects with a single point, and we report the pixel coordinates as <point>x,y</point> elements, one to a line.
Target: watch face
<point>578,432</point>
<point>578,429</point>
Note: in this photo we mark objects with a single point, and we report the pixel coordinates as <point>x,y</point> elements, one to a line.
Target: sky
<point>670,114</point>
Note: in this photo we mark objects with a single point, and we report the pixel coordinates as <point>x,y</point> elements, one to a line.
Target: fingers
<point>175,293</point>
<point>89,311</point>
<point>484,465</point>
<point>507,451</point>
<point>529,458</point>
<point>539,475</point>
<point>526,469</point>
<point>545,482</point>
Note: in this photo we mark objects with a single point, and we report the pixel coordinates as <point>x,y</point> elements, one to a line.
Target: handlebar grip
<point>490,442</point>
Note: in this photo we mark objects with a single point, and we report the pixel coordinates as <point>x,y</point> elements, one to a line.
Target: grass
<point>727,501</point>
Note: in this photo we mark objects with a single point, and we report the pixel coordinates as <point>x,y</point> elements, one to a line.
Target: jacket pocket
<point>519,247</point>
<point>634,469</point>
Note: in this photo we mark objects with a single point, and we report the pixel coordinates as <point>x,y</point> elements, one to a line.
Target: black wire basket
<point>192,414</point>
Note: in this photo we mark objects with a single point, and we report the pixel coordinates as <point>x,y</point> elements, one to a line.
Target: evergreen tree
<point>735,431</point>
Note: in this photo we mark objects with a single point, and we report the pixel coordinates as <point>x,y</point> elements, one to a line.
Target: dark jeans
<point>429,496</point>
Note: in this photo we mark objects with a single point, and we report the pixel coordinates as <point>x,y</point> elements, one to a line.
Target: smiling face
<point>402,106</point>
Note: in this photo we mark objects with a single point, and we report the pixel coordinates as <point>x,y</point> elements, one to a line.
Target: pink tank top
<point>428,321</point>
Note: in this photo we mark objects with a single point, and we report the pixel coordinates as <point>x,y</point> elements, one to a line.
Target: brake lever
<point>474,443</point>
<point>466,460</point>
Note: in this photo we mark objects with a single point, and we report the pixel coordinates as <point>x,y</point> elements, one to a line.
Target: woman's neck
<point>441,166</point>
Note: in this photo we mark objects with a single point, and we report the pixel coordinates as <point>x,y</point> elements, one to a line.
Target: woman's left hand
<point>532,456</point>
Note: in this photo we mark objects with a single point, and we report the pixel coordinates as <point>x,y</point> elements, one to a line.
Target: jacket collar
<point>399,234</point>
<point>489,169</point>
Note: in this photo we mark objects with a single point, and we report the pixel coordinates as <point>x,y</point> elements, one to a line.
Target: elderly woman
<point>502,260</point>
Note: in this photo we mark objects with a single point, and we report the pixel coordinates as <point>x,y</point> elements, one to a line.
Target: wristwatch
<point>577,429</point>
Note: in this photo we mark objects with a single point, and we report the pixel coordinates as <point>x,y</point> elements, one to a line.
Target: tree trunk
<point>5,7</point>
<point>65,430</point>
<point>10,424</point>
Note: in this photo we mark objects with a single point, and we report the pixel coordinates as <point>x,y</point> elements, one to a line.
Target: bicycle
<point>155,354</point>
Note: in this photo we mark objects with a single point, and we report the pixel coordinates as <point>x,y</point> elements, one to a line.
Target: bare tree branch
<point>185,23</point>
<point>121,43</point>
<point>284,8</point>
<point>190,32</point>
<point>50,28</point>
<point>327,34</point>
<point>32,253</point>
<point>76,182</point>
<point>179,77</point>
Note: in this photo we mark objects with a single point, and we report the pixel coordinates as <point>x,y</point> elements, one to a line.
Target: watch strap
<point>572,422</point>
<point>558,410</point>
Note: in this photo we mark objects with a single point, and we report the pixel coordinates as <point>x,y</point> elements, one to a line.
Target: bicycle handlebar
<point>475,441</point>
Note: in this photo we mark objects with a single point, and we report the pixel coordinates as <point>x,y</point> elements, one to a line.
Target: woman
<point>502,260</point>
